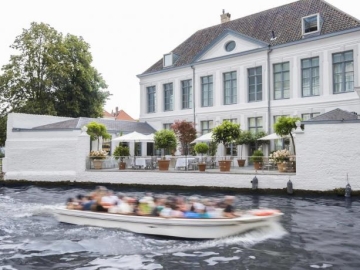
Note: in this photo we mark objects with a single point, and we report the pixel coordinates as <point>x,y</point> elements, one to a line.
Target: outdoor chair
<point>267,164</point>
<point>193,165</point>
<point>211,162</point>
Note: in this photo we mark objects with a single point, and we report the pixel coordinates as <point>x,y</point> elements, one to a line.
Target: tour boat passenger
<point>166,211</point>
<point>229,211</point>
<point>146,205</point>
<point>159,205</point>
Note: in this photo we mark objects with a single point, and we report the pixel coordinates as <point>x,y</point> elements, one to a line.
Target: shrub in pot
<point>245,138</point>
<point>257,158</point>
<point>201,148</point>
<point>121,152</point>
<point>226,133</point>
<point>164,139</point>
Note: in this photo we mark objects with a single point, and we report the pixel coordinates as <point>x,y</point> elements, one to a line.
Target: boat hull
<point>171,227</point>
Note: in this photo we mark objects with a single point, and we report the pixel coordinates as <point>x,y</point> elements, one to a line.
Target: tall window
<point>207,91</point>
<point>231,149</point>
<point>230,89</point>
<point>255,84</point>
<point>168,97</point>
<point>282,81</point>
<point>307,116</point>
<point>232,120</point>
<point>255,124</point>
<point>167,126</point>
<point>151,99</point>
<point>310,77</point>
<point>343,69</point>
<point>186,92</point>
<point>206,127</point>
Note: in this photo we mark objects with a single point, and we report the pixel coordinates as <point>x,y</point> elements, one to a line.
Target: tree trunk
<point>292,140</point>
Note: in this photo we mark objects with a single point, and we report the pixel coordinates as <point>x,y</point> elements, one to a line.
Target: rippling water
<point>314,233</point>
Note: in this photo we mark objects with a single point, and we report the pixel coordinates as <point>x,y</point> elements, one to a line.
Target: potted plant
<point>164,139</point>
<point>97,131</point>
<point>121,152</point>
<point>226,133</point>
<point>281,158</point>
<point>257,158</point>
<point>201,148</point>
<point>97,158</point>
<point>244,138</point>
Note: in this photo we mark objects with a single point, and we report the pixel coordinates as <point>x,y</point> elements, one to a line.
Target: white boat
<point>209,228</point>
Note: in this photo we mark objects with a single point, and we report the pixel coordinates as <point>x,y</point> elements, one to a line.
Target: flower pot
<point>224,165</point>
<point>122,165</point>
<point>282,166</point>
<point>241,162</point>
<point>202,167</point>
<point>257,165</point>
<point>163,164</point>
<point>97,164</point>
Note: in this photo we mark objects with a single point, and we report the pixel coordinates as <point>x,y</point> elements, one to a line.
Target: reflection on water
<point>315,233</point>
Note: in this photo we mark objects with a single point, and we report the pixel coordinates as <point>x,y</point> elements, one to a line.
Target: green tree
<point>226,133</point>
<point>245,138</point>
<point>97,130</point>
<point>165,139</point>
<point>51,75</point>
<point>284,125</point>
<point>3,122</point>
<point>185,133</point>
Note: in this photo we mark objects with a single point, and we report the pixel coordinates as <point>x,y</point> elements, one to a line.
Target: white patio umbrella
<point>273,136</point>
<point>204,138</point>
<point>134,137</point>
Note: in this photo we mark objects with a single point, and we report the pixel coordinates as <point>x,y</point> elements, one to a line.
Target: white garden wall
<point>325,154</point>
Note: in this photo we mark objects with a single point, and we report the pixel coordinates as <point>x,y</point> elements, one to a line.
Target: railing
<point>190,163</point>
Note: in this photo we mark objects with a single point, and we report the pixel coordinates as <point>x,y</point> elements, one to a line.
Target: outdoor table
<point>142,162</point>
<point>184,162</point>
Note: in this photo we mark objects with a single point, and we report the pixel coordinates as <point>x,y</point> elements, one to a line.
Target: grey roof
<point>284,20</point>
<point>112,126</point>
<point>334,115</point>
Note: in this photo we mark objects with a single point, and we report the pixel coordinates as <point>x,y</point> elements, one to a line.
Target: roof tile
<point>284,20</point>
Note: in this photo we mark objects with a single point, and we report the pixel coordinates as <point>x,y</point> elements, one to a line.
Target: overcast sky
<point>127,37</point>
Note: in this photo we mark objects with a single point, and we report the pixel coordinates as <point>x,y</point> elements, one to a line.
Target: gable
<point>218,47</point>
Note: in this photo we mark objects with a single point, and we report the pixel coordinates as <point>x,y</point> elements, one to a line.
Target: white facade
<point>322,47</point>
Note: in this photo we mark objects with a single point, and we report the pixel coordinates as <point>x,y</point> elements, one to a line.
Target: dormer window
<point>310,24</point>
<point>169,59</point>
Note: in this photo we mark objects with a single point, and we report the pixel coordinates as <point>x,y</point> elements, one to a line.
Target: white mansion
<point>300,59</point>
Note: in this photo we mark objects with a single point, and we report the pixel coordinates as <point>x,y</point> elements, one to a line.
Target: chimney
<point>225,17</point>
<point>117,111</point>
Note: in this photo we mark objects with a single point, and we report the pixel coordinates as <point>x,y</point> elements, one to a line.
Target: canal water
<point>314,233</point>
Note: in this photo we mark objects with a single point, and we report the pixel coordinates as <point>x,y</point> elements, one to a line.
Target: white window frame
<point>171,55</point>
<point>303,24</point>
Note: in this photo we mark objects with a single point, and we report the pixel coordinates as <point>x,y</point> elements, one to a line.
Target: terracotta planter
<point>164,165</point>
<point>257,165</point>
<point>241,162</point>
<point>282,167</point>
<point>122,165</point>
<point>97,164</point>
<point>202,167</point>
<point>224,165</point>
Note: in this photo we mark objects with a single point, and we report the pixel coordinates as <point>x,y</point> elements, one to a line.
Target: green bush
<point>121,152</point>
<point>165,139</point>
<point>201,148</point>
<point>257,156</point>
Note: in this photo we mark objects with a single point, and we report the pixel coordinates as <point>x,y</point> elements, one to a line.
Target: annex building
<point>299,59</point>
